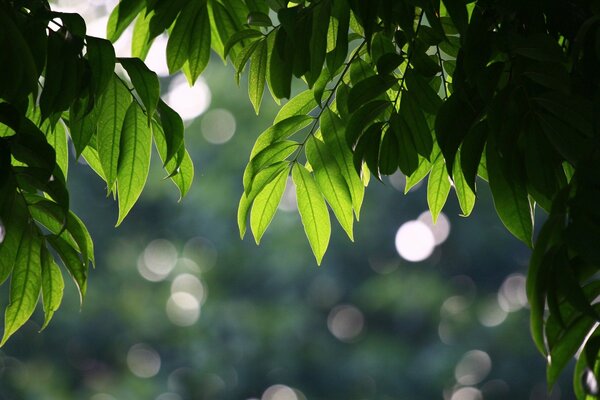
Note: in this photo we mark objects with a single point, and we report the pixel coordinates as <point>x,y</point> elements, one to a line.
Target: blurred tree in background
<point>453,91</point>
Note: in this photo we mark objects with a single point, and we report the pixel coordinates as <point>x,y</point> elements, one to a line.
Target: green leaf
<point>70,259</point>
<point>262,178</point>
<point>453,121</point>
<point>57,138</point>
<point>82,126</point>
<point>101,56</point>
<point>318,39</point>
<point>425,96</point>
<point>245,34</point>
<point>199,47</point>
<point>25,284</point>
<point>52,286</point>
<point>273,153</point>
<point>364,117</point>
<point>14,217</point>
<point>465,195</point>
<point>145,83</point>
<point>438,187</point>
<point>257,18</point>
<point>313,211</point>
<point>113,106</point>
<point>408,158</point>
<point>172,131</point>
<point>280,130</point>
<point>187,34</point>
<point>337,35</point>
<point>423,169</point>
<point>279,74</point>
<point>140,40</point>
<point>510,195</point>
<point>120,18</point>
<point>80,234</point>
<point>334,136</point>
<point>184,174</point>
<point>301,104</point>
<point>134,159</point>
<point>331,183</point>
<point>265,204</point>
<point>257,75</point>
<point>471,152</point>
<point>369,89</point>
<point>243,56</point>
<point>414,118</point>
<point>388,153</point>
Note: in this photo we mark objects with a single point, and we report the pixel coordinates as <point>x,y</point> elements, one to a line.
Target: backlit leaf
<point>52,286</point>
<point>438,187</point>
<point>313,211</point>
<point>265,204</point>
<point>257,75</point>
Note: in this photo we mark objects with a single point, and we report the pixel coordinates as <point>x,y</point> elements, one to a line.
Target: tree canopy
<point>456,91</point>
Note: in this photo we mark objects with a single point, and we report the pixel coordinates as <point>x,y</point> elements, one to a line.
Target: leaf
<point>140,40</point>
<point>187,33</point>
<point>57,138</point>
<point>262,178</point>
<point>244,34</point>
<point>265,204</point>
<point>465,195</point>
<point>120,18</point>
<point>113,106</point>
<point>334,137</point>
<point>301,104</point>
<point>199,47</point>
<point>388,153</point>
<point>458,12</point>
<point>313,211</point>
<point>273,153</point>
<point>134,159</point>
<point>257,75</point>
<point>337,35</point>
<point>280,130</point>
<point>471,152</point>
<point>25,284</point>
<point>424,95</point>
<point>408,158</point>
<point>279,74</point>
<point>70,259</point>
<point>101,56</point>
<point>172,131</point>
<point>185,174</point>
<point>14,217</point>
<point>257,18</point>
<point>414,118</point>
<point>318,39</point>
<point>369,89</point>
<point>82,126</point>
<point>438,187</point>
<point>510,195</point>
<point>331,183</point>
<point>145,83</point>
<point>52,286</point>
<point>423,169</point>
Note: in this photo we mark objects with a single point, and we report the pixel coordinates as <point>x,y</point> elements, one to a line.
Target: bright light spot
<point>190,284</point>
<point>2,231</point>
<point>288,201</point>
<point>143,360</point>
<point>590,383</point>
<point>168,396</point>
<point>473,367</point>
<point>183,309</point>
<point>156,59</point>
<point>218,126</point>
<point>512,295</point>
<point>188,101</point>
<point>157,260</point>
<point>467,393</point>
<point>441,228</point>
<point>202,251</point>
<point>398,181</point>
<point>414,241</point>
<point>279,392</point>
<point>454,305</point>
<point>490,314</point>
<point>345,322</point>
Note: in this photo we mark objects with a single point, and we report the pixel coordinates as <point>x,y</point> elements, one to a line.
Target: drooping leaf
<point>301,104</point>
<point>438,187</point>
<point>464,193</point>
<point>134,159</point>
<point>265,204</point>
<point>14,218</point>
<point>172,131</point>
<point>313,211</point>
<point>113,106</point>
<point>101,56</point>
<point>25,284</point>
<point>273,153</point>
<point>369,89</point>
<point>120,18</point>
<point>280,130</point>
<point>52,286</point>
<point>145,83</point>
<point>331,183</point>
<point>140,40</point>
<point>257,75</point>
<point>334,136</point>
<point>77,268</point>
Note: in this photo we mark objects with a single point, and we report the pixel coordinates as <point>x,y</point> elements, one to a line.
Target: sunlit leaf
<point>71,260</point>
<point>145,83</point>
<point>25,284</point>
<point>134,159</point>
<point>257,75</point>
<point>438,187</point>
<point>313,211</point>
<point>265,204</point>
<point>301,104</point>
<point>101,56</point>
<point>331,183</point>
<point>120,18</point>
<point>465,195</point>
<point>52,285</point>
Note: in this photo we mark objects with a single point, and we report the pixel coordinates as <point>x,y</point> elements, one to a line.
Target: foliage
<point>504,91</point>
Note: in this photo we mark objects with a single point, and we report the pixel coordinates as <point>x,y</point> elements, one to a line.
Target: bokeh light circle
<point>414,241</point>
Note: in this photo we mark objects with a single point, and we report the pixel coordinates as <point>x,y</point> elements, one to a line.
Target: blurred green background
<point>178,307</point>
